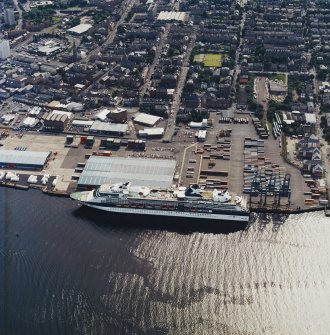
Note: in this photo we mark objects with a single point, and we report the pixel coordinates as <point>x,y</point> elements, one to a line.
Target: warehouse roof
<point>152,132</point>
<point>139,171</point>
<point>82,123</point>
<point>30,122</point>
<point>101,115</point>
<point>147,119</point>
<point>99,126</point>
<point>80,28</point>
<point>24,157</point>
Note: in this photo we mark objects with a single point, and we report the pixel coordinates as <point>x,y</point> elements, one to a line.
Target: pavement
<point>55,144</point>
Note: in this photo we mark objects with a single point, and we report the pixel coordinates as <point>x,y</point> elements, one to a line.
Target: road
<point>237,67</point>
<point>162,41</point>
<point>184,160</point>
<point>179,88</point>
<point>20,15</point>
<point>262,91</point>
<point>324,146</point>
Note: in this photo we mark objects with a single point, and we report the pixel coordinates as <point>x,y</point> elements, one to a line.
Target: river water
<point>66,272</point>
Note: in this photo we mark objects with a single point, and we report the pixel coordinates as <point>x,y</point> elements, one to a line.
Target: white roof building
<point>80,29</point>
<point>152,132</point>
<point>102,115</point>
<point>172,16</point>
<point>28,160</point>
<point>30,122</point>
<point>310,118</point>
<point>147,119</point>
<point>106,128</point>
<point>82,123</point>
<point>201,135</point>
<point>58,112</point>
<point>7,118</point>
<point>139,171</point>
<point>202,124</point>
<point>35,110</point>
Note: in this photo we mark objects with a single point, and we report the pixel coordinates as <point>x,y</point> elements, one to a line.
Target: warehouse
<point>101,115</point>
<point>82,123</point>
<point>112,129</point>
<point>23,160</point>
<point>30,122</point>
<point>152,132</point>
<point>139,171</point>
<point>56,121</point>
<point>146,119</point>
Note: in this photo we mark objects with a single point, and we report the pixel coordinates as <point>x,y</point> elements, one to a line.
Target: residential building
<point>9,17</point>
<point>4,49</point>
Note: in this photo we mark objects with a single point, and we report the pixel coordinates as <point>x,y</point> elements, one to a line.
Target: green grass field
<point>277,76</point>
<point>209,60</point>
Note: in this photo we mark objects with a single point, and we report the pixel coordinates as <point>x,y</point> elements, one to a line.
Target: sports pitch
<point>209,60</point>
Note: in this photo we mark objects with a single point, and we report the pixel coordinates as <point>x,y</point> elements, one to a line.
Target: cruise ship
<point>178,202</point>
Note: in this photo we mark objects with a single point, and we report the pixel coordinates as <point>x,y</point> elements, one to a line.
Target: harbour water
<point>66,271</point>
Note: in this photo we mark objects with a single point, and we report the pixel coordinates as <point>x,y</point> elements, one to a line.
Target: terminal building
<point>139,171</point>
<point>23,160</point>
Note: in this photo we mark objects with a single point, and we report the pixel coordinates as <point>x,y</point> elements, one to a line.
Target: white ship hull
<point>172,213</point>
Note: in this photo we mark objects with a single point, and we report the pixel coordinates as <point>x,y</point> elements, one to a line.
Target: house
<point>314,167</point>
<point>168,81</point>
<point>310,107</point>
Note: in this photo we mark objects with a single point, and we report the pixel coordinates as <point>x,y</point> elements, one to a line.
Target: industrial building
<point>113,129</point>
<point>146,119</point>
<point>56,121</point>
<point>82,123</point>
<point>80,29</point>
<point>139,171</point>
<point>152,132</point>
<point>101,115</point>
<point>7,119</point>
<point>30,122</point>
<point>201,135</point>
<point>23,160</point>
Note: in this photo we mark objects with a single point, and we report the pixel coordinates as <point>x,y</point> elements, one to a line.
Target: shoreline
<point>64,194</point>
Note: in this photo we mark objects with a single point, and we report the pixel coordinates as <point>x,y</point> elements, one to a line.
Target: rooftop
<point>80,28</point>
<point>172,16</point>
<point>139,171</point>
<point>99,126</point>
<point>23,157</point>
<point>146,119</point>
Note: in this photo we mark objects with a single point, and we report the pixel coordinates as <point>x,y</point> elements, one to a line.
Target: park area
<point>209,60</point>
